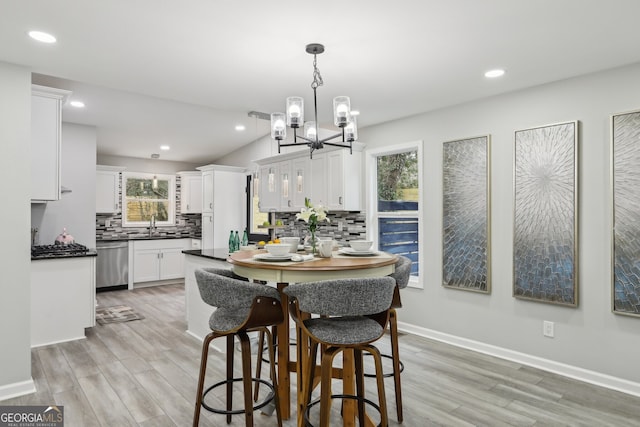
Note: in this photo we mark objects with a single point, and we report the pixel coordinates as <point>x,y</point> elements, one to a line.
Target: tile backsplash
<point>342,226</point>
<point>109,226</point>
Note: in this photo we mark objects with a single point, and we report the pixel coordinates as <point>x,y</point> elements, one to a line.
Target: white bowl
<point>293,243</point>
<point>361,245</point>
<point>248,248</point>
<point>277,249</point>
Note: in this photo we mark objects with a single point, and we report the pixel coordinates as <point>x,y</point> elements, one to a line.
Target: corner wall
<point>15,164</point>
<point>589,337</point>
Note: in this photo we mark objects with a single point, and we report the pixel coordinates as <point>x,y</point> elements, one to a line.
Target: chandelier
<point>294,117</point>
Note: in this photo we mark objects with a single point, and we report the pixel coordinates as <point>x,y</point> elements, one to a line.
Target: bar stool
<point>242,307</point>
<point>401,276</point>
<point>353,314</point>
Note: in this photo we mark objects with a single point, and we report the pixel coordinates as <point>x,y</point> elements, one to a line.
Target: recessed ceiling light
<point>355,112</point>
<point>492,74</point>
<point>77,104</point>
<point>42,36</point>
<point>165,147</point>
<point>240,128</point>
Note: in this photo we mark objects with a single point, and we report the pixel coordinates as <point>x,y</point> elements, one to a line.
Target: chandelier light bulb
<point>341,108</point>
<point>295,111</point>
<point>278,128</point>
<point>310,130</point>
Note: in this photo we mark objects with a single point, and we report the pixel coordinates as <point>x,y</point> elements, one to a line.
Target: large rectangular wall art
<point>466,213</point>
<point>625,147</point>
<point>545,258</point>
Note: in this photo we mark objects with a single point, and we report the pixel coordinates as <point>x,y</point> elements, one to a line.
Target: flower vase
<point>313,242</point>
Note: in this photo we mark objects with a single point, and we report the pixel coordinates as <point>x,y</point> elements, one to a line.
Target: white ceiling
<point>184,73</point>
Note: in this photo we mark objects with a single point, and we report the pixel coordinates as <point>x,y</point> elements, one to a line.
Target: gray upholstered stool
<point>354,313</point>
<point>241,307</point>
<point>401,276</point>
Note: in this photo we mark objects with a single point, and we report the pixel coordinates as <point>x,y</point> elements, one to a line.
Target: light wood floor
<point>143,373</point>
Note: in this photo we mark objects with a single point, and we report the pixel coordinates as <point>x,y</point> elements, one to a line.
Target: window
<point>146,196</point>
<point>394,201</point>
<point>254,216</point>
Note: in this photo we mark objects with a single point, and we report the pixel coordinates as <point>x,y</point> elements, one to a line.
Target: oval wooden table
<point>336,267</point>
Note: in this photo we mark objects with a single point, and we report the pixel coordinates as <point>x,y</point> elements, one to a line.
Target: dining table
<point>343,263</point>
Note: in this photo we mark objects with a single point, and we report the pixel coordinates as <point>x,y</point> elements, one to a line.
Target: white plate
<point>269,257</point>
<point>353,252</point>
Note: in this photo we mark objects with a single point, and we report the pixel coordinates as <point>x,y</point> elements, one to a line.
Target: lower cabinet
<point>155,260</point>
<point>63,299</point>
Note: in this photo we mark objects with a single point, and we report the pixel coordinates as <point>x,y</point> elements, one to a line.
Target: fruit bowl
<point>277,249</point>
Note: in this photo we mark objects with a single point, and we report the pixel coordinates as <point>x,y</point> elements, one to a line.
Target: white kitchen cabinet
<point>300,181</point>
<point>190,192</point>
<point>161,259</point>
<point>224,204</point>
<point>46,142</point>
<point>269,188</point>
<point>318,176</point>
<point>344,181</point>
<point>108,188</point>
<point>63,295</point>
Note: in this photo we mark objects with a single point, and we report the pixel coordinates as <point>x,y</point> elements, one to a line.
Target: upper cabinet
<point>46,142</point>
<point>190,192</point>
<point>108,188</point>
<point>332,178</point>
<point>223,204</point>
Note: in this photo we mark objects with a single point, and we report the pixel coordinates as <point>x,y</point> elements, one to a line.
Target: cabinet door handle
<point>210,219</point>
<point>289,203</point>
<point>211,205</point>
<point>340,200</point>
<point>188,208</point>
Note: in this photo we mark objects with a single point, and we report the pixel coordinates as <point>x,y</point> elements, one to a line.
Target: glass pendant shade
<point>285,185</point>
<point>351,130</point>
<point>310,131</point>
<point>278,128</point>
<point>299,180</point>
<point>295,111</point>
<point>341,110</point>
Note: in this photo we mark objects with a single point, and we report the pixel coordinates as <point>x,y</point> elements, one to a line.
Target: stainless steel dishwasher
<point>112,265</point>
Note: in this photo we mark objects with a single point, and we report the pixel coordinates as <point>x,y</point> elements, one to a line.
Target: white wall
<point>15,164</point>
<point>589,337</point>
<point>75,211</point>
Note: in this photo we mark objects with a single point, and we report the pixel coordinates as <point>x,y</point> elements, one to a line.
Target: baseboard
<point>591,377</point>
<point>44,344</point>
<point>10,391</point>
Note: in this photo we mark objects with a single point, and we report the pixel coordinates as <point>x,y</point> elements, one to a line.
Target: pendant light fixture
<point>294,117</point>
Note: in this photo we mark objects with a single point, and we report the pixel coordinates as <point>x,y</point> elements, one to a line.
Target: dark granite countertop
<point>127,238</point>
<point>220,254</point>
<point>64,255</point>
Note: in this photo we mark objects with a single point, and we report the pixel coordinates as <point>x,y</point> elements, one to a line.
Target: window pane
<point>400,236</point>
<point>398,182</point>
<point>147,188</point>
<point>258,218</point>
<point>143,210</point>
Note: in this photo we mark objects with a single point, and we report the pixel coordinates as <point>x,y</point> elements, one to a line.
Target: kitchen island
<point>63,293</point>
<point>197,311</point>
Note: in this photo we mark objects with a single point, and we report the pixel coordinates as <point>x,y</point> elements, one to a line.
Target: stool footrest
<point>257,406</point>
<point>307,423</point>
<point>387,374</point>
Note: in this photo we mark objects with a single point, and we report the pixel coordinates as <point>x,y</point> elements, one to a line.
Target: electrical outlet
<point>547,329</point>
<point>107,223</point>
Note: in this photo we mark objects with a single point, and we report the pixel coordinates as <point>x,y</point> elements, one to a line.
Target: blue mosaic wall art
<point>625,146</point>
<point>545,257</point>
<point>466,213</point>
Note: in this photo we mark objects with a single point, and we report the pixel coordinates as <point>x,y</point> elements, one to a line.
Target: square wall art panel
<point>625,146</point>
<point>545,217</point>
<point>465,215</point>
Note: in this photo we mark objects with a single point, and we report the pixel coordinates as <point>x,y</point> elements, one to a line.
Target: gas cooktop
<point>53,251</point>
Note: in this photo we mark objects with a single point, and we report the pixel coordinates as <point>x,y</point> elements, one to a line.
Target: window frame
<point>373,214</point>
<point>171,200</point>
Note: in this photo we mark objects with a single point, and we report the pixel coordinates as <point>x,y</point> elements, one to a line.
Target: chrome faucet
<point>152,225</point>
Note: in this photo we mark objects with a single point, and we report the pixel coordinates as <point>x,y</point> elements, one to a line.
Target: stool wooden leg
<point>395,355</point>
<point>229,376</point>
<point>384,419</point>
<point>274,376</point>
<point>325,385</point>
<point>203,370</point>
<point>359,374</point>
<point>258,364</point>
<point>246,377</point>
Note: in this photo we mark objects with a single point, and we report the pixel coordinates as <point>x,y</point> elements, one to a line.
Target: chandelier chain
<point>317,78</point>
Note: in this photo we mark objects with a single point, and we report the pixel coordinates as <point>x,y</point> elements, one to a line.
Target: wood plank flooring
<point>144,372</point>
